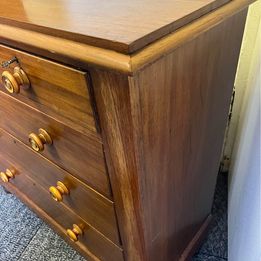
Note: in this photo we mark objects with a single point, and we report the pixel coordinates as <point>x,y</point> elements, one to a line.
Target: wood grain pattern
<point>162,117</point>
<point>173,41</point>
<point>92,244</point>
<point>58,90</point>
<point>63,50</point>
<point>83,55</point>
<point>77,153</point>
<point>83,200</point>
<point>113,103</point>
<point>124,26</point>
<point>163,132</point>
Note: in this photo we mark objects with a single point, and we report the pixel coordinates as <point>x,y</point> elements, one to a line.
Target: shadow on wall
<point>244,186</point>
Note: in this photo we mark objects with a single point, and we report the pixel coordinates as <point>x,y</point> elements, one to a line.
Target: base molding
<point>196,240</point>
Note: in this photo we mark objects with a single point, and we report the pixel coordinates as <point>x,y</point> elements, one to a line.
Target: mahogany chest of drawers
<point>112,118</point>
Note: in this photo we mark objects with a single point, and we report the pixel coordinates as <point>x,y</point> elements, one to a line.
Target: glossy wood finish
<point>91,243</point>
<point>163,132</point>
<point>77,153</point>
<point>8,174</point>
<point>84,56</point>
<point>124,26</point>
<point>160,108</point>
<point>14,81</point>
<point>113,100</point>
<point>57,90</point>
<point>83,200</point>
<point>173,41</point>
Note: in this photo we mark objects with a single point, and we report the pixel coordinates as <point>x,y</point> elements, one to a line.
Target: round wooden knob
<point>74,233</point>
<point>58,191</point>
<point>12,82</point>
<point>8,174</point>
<point>37,141</point>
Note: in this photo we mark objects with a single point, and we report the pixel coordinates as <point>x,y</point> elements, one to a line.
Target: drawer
<point>87,203</point>
<point>75,152</point>
<point>57,90</point>
<point>61,217</point>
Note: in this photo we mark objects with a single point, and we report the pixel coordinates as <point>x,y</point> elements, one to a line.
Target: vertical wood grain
<point>163,132</point>
<point>113,103</point>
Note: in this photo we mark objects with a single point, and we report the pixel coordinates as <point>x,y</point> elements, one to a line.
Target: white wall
<point>244,209</point>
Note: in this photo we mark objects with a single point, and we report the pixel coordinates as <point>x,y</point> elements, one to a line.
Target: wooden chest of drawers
<point>112,118</point>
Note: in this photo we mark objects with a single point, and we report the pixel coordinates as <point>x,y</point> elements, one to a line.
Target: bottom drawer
<point>90,205</point>
<point>91,243</point>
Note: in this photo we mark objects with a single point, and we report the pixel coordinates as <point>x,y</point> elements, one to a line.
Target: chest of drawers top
<point>106,34</point>
<point>123,26</point>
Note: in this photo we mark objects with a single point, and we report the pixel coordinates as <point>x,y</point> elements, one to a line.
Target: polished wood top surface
<point>124,26</point>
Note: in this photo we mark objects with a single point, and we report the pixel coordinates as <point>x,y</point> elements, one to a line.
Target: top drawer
<point>57,90</point>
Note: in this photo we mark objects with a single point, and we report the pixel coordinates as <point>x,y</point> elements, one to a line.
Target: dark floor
<point>25,237</point>
<point>214,247</point>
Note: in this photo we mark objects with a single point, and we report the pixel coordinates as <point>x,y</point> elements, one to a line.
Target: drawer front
<point>75,152</point>
<point>62,218</point>
<point>57,90</point>
<point>87,203</point>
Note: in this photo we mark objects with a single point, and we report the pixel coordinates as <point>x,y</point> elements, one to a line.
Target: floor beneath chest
<point>25,237</point>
